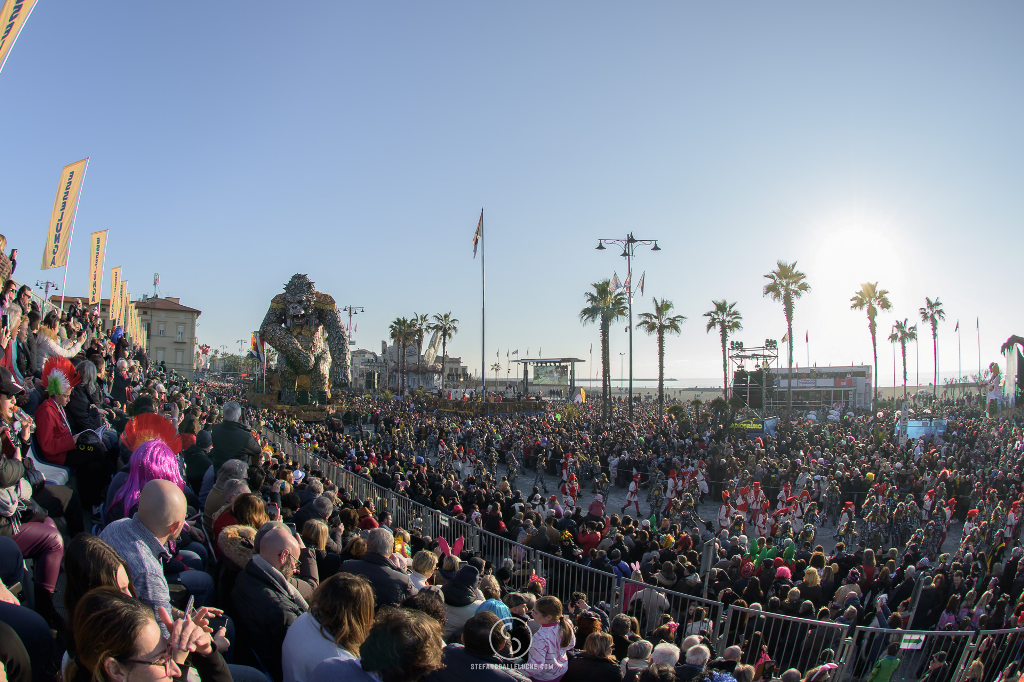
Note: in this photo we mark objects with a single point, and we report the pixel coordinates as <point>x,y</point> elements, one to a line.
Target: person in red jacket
<point>56,443</point>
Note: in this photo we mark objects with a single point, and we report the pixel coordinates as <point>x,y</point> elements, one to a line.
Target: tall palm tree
<point>446,326</point>
<point>659,323</point>
<point>419,328</point>
<point>604,306</point>
<point>496,367</point>
<point>932,313</point>
<point>786,284</point>
<point>724,316</point>
<point>872,299</point>
<point>903,333</point>
<point>402,333</point>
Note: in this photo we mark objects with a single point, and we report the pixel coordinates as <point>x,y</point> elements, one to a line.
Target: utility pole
<point>628,247</point>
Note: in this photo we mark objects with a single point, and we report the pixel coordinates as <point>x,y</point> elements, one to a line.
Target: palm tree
<point>402,332</point>
<point>604,306</point>
<point>496,367</point>
<point>903,333</point>
<point>724,316</point>
<point>446,326</point>
<point>419,328</point>
<point>872,299</point>
<point>786,284</point>
<point>932,313</point>
<point>659,323</point>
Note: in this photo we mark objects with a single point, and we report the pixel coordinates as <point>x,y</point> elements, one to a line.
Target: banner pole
<point>71,235</point>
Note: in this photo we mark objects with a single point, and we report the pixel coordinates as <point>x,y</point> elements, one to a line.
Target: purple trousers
<point>41,541</point>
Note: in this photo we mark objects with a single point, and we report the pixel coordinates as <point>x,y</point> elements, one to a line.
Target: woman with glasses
<point>118,640</point>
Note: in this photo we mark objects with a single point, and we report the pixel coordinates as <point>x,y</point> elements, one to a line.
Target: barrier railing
<point>790,641</point>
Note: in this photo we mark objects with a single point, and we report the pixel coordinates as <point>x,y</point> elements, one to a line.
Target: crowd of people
<point>182,537</point>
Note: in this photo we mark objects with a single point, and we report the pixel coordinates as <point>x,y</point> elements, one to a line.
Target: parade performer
<point>736,528</point>
<point>929,504</point>
<point>758,498</point>
<point>762,521</point>
<point>701,478</point>
<point>673,489</point>
<point>571,489</point>
<point>847,515</point>
<point>969,525</point>
<point>724,512</point>
<point>1012,519</point>
<point>743,500</point>
<point>541,462</point>
<point>633,496</point>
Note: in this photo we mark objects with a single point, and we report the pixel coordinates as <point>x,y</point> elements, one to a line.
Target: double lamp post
<point>629,245</point>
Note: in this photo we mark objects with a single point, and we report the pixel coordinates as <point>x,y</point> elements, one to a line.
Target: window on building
<point>181,332</point>
<point>159,355</point>
<point>179,356</point>
<point>160,329</point>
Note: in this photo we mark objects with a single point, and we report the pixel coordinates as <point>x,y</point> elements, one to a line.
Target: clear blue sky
<point>235,143</point>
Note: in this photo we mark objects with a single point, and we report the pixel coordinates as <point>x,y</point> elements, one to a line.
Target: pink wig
<point>151,460</point>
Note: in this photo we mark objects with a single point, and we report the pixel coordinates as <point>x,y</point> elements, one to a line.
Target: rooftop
<point>169,303</point>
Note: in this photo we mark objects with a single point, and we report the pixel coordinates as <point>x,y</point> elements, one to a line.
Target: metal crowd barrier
<point>791,642</point>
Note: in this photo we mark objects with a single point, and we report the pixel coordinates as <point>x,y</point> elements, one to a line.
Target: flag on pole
<point>13,15</point>
<point>978,322</point>
<point>515,352</point>
<point>479,232</point>
<point>957,327</point>
<point>807,336</point>
<point>629,276</point>
<point>616,284</point>
<point>640,285</point>
<point>115,287</point>
<point>98,246</point>
<point>62,217</point>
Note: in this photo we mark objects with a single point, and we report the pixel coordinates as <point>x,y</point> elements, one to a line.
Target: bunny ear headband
<point>825,669</point>
<point>454,550</point>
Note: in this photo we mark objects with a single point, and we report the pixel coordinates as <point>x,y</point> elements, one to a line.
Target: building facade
<point>822,387</point>
<point>169,332</point>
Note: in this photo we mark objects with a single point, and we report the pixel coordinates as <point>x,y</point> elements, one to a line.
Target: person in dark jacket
<point>197,460</point>
<point>597,662</point>
<point>481,657</point>
<point>390,585</point>
<point>231,440</point>
<point>264,600</point>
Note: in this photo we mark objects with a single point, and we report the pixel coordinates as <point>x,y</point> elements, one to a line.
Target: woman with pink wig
<point>149,461</point>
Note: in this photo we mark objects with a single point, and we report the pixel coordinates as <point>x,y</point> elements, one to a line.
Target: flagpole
<point>483,314</point>
<point>978,325</point>
<point>71,236</point>
<point>959,355</point>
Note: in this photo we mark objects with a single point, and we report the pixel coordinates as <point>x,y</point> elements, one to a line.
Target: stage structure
<point>549,372</point>
<point>753,384</point>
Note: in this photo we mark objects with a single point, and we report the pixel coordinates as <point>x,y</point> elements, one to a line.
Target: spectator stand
<point>788,641</point>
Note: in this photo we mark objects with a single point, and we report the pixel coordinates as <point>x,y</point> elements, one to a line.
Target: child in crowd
<point>548,660</point>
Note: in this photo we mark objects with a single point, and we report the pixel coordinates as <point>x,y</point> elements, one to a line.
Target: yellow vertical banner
<point>97,248</point>
<point>13,15</point>
<point>121,298</point>
<point>62,217</point>
<point>115,284</point>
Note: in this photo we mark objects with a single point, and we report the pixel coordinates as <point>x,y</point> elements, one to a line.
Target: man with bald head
<point>266,597</point>
<point>142,543</point>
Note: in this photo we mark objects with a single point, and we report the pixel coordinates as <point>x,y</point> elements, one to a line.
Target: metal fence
<point>788,641</point>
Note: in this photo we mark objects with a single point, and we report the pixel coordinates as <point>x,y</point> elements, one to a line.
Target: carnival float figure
<point>305,328</point>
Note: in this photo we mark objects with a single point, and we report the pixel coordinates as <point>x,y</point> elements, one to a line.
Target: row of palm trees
<point>405,331</point>
<point>786,284</point>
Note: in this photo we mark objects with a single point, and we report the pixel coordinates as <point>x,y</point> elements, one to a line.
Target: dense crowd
<point>181,538</point>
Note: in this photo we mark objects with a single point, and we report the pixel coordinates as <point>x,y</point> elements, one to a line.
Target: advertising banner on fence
<point>97,247</point>
<point>115,286</point>
<point>13,15</point>
<point>62,218</point>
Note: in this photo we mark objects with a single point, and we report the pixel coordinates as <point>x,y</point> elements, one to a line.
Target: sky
<point>357,142</point>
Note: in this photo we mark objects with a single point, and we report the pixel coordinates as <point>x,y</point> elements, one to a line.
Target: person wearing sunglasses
<point>118,640</point>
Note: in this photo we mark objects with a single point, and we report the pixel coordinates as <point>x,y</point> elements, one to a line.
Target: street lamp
<point>629,245</point>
